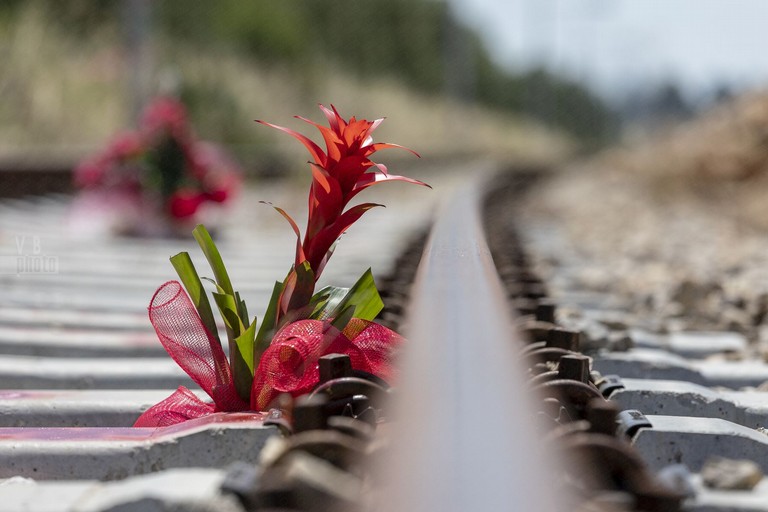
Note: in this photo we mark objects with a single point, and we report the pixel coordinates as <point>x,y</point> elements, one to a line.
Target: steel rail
<point>463,435</point>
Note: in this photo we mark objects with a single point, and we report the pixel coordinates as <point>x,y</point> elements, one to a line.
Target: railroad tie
<point>520,388</point>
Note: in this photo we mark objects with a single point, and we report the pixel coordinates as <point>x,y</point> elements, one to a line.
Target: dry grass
<point>728,143</point>
<point>719,159</point>
<point>54,91</point>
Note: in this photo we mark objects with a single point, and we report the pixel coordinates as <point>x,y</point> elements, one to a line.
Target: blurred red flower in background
<point>163,163</point>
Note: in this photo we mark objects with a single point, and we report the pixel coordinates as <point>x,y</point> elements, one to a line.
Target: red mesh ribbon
<point>188,342</point>
<point>181,406</point>
<point>290,365</point>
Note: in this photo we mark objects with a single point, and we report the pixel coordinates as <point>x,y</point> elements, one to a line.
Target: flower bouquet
<point>280,354</point>
<point>155,179</point>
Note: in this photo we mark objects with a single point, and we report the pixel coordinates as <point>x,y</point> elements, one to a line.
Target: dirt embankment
<point>678,224</point>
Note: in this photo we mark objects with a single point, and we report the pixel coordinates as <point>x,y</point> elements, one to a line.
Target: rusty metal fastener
<point>545,310</point>
<point>602,416</point>
<point>307,483</point>
<point>341,450</point>
<point>334,366</point>
<point>574,395</point>
<point>348,387</point>
<point>530,347</point>
<point>541,378</point>
<point>309,413</point>
<point>362,374</point>
<point>278,418</point>
<point>518,274</point>
<point>574,367</point>
<point>352,427</point>
<point>547,354</point>
<point>524,306</point>
<point>564,338</point>
<point>611,463</point>
<point>535,291</point>
<point>356,407</point>
<point>533,330</point>
<point>554,414</point>
<point>614,465</point>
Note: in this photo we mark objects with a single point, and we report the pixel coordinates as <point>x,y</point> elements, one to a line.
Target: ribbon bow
<point>289,365</point>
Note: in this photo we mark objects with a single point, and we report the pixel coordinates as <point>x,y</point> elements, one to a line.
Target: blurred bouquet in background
<point>153,181</point>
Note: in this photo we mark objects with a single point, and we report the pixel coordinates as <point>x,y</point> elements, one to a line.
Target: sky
<point>618,45</point>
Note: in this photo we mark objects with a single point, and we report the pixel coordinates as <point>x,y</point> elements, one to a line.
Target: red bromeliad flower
<point>298,327</point>
<point>339,173</point>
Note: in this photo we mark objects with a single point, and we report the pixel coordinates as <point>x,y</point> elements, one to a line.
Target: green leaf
<point>341,320</point>
<point>189,277</point>
<point>242,310</point>
<point>228,309</point>
<point>320,300</point>
<point>245,344</point>
<point>214,283</point>
<point>240,344</point>
<point>266,330</point>
<point>326,301</point>
<point>214,258</point>
<point>363,296</point>
<point>242,375</point>
<point>231,306</point>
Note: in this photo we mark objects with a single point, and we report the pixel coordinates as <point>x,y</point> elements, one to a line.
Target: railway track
<point>497,406</point>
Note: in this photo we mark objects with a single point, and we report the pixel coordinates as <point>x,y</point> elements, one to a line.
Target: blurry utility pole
<point>458,58</point>
<point>459,71</point>
<point>136,18</point>
<point>540,39</point>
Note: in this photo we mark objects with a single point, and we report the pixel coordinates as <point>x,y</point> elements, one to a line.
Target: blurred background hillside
<point>531,80</point>
<point>75,73</point>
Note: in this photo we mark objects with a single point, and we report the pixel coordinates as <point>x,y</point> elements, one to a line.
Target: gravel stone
<point>730,474</point>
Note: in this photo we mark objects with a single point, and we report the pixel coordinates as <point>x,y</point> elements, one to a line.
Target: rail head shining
<point>463,438</point>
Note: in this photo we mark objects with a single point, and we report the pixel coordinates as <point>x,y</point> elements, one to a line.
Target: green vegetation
<point>417,42</point>
<point>233,60</point>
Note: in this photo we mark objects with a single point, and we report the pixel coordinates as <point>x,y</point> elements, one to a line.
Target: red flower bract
<point>339,173</point>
